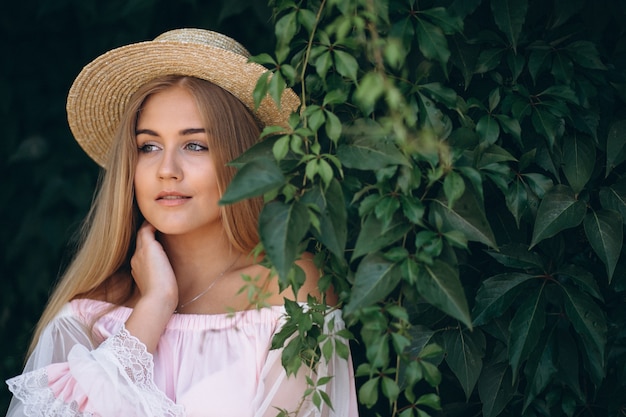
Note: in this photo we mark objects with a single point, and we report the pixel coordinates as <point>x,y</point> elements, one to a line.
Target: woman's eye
<point>147,147</point>
<point>196,147</point>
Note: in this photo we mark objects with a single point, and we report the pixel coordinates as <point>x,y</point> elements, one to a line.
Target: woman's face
<point>175,180</point>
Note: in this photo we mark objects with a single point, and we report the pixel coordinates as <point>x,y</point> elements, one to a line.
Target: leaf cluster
<point>457,167</point>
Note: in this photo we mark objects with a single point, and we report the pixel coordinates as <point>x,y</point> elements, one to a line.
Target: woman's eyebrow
<point>184,132</point>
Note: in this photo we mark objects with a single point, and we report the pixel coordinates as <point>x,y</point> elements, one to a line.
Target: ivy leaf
<point>368,393</point>
<point>253,179</point>
<point>509,16</point>
<point>367,154</point>
<point>374,279</point>
<point>614,198</point>
<point>488,129</point>
<point>464,353</point>
<point>282,227</point>
<point>346,64</point>
<point>467,216</point>
<point>446,21</point>
<point>559,210</point>
<point>579,160</point>
<point>539,370</point>
<point>489,59</point>
<point>496,294</point>
<point>546,124</point>
<point>525,327</point>
<point>440,285</point>
<point>605,232</point>
<point>496,388</point>
<point>590,324</point>
<point>286,28</point>
<point>516,196</point>
<point>333,216</point>
<point>583,279</point>
<point>374,236</point>
<point>585,54</point>
<point>453,187</point>
<point>432,42</point>
<point>514,255</point>
<point>615,145</point>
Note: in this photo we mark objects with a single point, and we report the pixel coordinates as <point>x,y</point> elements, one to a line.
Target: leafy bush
<point>457,166</point>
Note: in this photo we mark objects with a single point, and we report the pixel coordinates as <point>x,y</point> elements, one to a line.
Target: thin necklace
<point>206,290</point>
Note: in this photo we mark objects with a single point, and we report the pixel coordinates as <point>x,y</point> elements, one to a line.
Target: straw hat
<point>101,91</point>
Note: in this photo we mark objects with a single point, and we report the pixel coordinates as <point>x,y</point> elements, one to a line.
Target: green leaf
<point>432,42</point>
<point>286,27</point>
<point>615,145</point>
<point>496,388</point>
<point>590,324</point>
<point>526,326</point>
<point>464,355</point>
<point>261,88</point>
<point>488,129</point>
<point>346,64</point>
<point>547,125</point>
<point>488,60</point>
<point>605,232</point>
<point>390,389</point>
<point>510,126</point>
<point>583,280</point>
<point>370,88</point>
<point>333,126</point>
<point>614,198</point>
<point>509,16</point>
<point>440,286</point>
<point>430,400</point>
<point>468,216</point>
<point>333,216</point>
<point>579,160</point>
<point>453,187</point>
<point>496,294</point>
<point>516,196</point>
<point>282,227</point>
<point>374,279</point>
<point>374,236</point>
<point>368,393</point>
<point>367,154</point>
<point>516,255</point>
<point>559,210</point>
<point>441,93</point>
<point>539,370</point>
<point>448,22</point>
<point>253,179</point>
<point>585,54</point>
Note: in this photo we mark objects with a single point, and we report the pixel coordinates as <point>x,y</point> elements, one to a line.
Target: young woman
<point>148,319</point>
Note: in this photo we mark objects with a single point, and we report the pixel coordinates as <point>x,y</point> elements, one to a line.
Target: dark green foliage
<point>458,169</point>
<point>480,149</point>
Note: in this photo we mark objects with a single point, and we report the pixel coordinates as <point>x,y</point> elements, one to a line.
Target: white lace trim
<point>127,352</point>
<point>135,359</point>
<point>33,391</point>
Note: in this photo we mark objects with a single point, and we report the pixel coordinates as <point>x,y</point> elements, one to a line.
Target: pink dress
<point>205,365</point>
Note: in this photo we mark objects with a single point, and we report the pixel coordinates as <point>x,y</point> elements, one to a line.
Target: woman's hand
<point>151,269</point>
<point>153,273</point>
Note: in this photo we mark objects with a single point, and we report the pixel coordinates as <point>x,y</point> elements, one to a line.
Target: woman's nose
<point>170,167</point>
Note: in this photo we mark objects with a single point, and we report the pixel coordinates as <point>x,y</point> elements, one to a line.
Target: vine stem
<point>305,61</point>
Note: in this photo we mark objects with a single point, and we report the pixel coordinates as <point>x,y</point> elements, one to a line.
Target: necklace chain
<point>206,290</point>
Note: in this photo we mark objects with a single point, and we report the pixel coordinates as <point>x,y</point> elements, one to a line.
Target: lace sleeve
<point>113,379</point>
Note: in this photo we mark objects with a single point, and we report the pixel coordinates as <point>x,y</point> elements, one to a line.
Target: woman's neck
<point>198,260</point>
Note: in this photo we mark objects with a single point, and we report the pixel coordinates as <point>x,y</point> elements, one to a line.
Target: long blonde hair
<point>108,233</point>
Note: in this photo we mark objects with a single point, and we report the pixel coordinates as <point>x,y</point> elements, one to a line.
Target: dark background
<point>47,182</point>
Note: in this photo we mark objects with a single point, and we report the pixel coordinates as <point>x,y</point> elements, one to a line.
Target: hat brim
<point>100,93</point>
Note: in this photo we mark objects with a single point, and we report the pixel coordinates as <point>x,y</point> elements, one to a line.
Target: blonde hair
<point>108,233</point>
